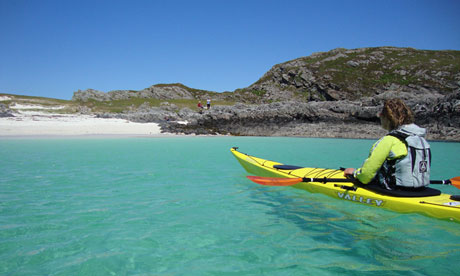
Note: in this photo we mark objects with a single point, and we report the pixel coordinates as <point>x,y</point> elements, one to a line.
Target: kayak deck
<point>440,206</point>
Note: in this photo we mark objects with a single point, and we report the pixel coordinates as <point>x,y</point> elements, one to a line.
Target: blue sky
<point>52,48</point>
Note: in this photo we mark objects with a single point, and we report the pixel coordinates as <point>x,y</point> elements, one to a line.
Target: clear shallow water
<point>182,206</point>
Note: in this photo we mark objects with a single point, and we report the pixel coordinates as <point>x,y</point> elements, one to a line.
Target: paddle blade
<point>455,182</point>
<point>273,181</point>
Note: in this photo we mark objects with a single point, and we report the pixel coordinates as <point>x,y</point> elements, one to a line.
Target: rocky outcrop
<point>159,91</point>
<point>90,94</point>
<point>347,119</point>
<point>5,111</point>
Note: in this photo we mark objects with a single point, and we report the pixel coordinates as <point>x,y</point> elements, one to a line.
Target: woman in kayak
<point>402,158</point>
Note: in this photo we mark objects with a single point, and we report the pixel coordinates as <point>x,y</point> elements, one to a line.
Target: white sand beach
<point>36,120</point>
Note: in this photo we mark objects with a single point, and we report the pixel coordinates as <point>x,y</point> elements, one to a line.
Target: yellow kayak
<point>438,205</point>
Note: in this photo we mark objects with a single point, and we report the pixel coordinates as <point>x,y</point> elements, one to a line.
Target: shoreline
<point>36,122</point>
<point>30,121</point>
<point>78,127</point>
<point>87,136</point>
<point>39,125</point>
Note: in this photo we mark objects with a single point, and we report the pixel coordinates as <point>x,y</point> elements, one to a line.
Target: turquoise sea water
<point>182,206</point>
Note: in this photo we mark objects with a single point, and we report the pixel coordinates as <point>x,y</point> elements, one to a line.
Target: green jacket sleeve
<point>388,147</point>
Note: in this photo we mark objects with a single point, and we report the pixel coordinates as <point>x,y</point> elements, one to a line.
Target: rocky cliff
<point>330,94</point>
<point>343,74</point>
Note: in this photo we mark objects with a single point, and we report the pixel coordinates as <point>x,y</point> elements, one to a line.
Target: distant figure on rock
<point>208,103</point>
<point>200,107</point>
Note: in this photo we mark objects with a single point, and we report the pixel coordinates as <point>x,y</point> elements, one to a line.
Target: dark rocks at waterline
<point>445,111</point>
<point>147,114</point>
<point>283,119</point>
<point>347,119</point>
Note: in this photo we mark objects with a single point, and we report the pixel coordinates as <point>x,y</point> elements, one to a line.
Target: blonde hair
<point>398,113</point>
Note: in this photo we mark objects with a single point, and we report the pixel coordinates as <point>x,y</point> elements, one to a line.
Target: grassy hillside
<point>393,66</point>
<point>115,106</point>
<point>118,106</point>
<point>352,74</point>
<point>40,102</point>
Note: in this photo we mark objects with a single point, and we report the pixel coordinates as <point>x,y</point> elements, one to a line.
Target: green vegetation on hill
<point>382,66</point>
<point>115,106</point>
<point>352,74</point>
<point>68,106</point>
<point>413,62</point>
<point>118,106</point>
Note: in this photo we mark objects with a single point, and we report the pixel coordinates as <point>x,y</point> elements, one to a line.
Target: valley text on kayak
<point>361,199</point>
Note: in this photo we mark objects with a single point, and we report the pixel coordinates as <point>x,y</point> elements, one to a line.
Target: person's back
<point>401,159</point>
<point>411,170</point>
<point>414,169</point>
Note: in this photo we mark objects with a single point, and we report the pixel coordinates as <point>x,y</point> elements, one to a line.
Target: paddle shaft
<point>442,182</point>
<point>347,180</point>
<point>277,181</point>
